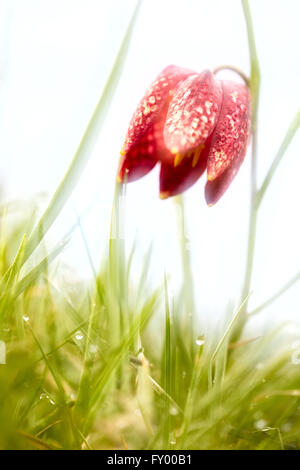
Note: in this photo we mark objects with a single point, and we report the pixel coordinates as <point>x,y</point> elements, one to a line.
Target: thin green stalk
<point>293,128</point>
<point>277,294</point>
<point>255,89</point>
<point>187,284</point>
<point>257,195</point>
<point>117,270</point>
<point>167,369</point>
<point>189,404</point>
<point>228,329</point>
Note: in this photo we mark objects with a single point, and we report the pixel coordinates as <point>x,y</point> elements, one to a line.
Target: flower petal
<point>140,159</point>
<point>178,177</point>
<point>192,112</point>
<point>231,134</point>
<point>216,188</point>
<point>144,137</point>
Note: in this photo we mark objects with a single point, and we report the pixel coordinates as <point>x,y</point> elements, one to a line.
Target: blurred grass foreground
<point>115,364</point>
<point>112,365</point>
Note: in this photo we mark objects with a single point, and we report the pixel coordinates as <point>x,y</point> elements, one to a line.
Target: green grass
<point>109,365</point>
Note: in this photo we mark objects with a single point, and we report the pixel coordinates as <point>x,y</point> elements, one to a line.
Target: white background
<point>54,59</point>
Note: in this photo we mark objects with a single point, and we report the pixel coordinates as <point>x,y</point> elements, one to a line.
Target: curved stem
<point>233,69</point>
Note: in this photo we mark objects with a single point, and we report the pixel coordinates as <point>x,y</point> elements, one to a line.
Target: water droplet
<point>46,396</point>
<point>200,340</point>
<point>295,357</point>
<point>79,336</point>
<point>260,424</point>
<point>25,318</point>
<point>173,411</point>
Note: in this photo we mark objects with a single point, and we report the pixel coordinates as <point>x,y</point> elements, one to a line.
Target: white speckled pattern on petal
<point>193,112</point>
<point>231,135</point>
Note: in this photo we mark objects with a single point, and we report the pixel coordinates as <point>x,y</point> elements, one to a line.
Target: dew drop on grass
<point>45,396</point>
<point>260,424</point>
<point>200,341</point>
<point>25,318</point>
<point>173,411</point>
<point>79,336</point>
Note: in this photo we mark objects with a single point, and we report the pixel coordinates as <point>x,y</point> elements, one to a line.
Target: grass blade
<point>85,147</point>
<point>255,69</point>
<point>277,294</point>
<point>293,128</point>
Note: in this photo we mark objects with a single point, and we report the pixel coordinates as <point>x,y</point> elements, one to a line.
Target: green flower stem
<point>187,284</point>
<point>252,224</point>
<point>233,69</point>
<point>256,203</point>
<point>254,84</point>
<point>257,195</point>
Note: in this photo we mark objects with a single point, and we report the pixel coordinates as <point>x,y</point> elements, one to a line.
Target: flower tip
<point>210,177</point>
<point>164,195</point>
<point>178,159</point>
<point>174,150</point>
<point>119,179</point>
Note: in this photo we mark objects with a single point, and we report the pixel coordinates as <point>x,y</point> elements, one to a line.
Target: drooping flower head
<point>188,122</point>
